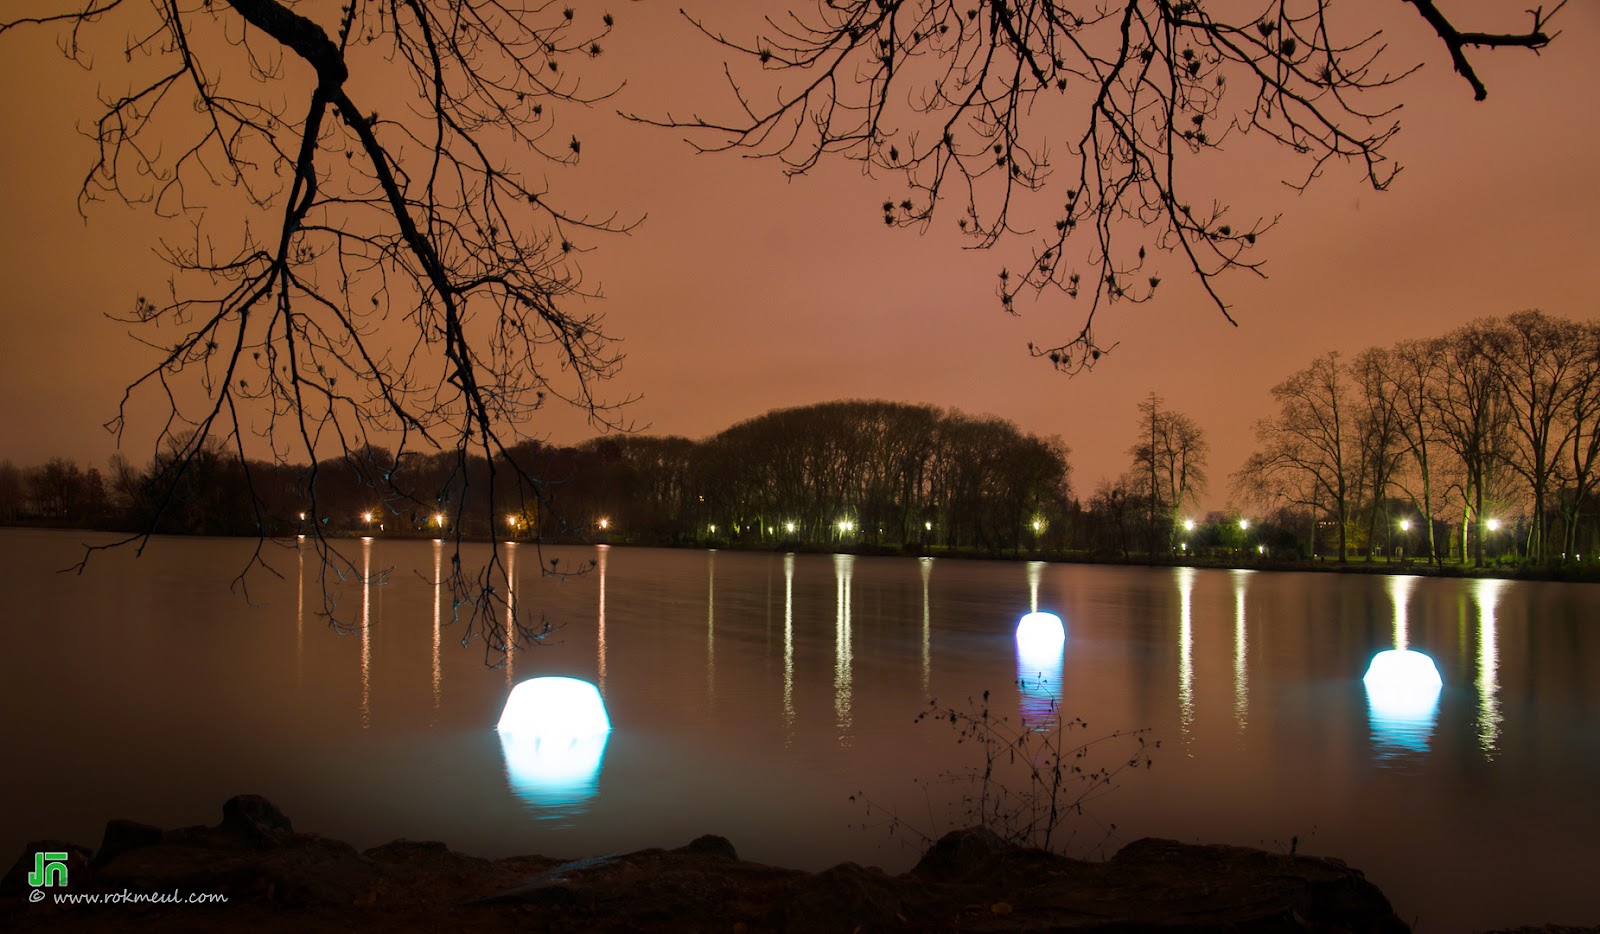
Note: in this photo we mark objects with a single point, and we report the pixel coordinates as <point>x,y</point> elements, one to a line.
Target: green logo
<point>48,869</point>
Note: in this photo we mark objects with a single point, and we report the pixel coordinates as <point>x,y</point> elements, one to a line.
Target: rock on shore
<point>970,880</point>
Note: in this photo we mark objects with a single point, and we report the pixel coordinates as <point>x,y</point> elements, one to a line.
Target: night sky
<point>743,291</point>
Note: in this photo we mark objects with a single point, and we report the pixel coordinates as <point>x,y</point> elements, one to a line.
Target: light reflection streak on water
<point>511,612</point>
<point>843,568</point>
<point>1035,570</point>
<point>366,632</point>
<point>1185,648</point>
<point>600,638</point>
<point>1241,682</point>
<point>927,628</point>
<point>788,640</point>
<point>711,624</point>
<point>1487,593</point>
<point>1400,591</point>
<point>300,617</point>
<point>438,583</point>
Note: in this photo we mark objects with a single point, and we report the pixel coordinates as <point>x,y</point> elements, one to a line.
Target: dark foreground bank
<point>273,877</point>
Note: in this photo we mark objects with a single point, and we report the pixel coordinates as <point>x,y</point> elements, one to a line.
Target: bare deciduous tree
<point>975,102</point>
<point>1169,469</point>
<point>1309,453</point>
<point>356,273</point>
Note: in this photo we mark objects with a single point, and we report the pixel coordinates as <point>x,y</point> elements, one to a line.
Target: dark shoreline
<point>253,871</point>
<point>1567,573</point>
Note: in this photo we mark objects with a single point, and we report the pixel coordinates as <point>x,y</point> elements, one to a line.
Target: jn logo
<point>48,869</point>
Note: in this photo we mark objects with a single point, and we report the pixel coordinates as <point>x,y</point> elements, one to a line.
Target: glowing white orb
<point>554,707</point>
<point>553,733</point>
<point>1403,698</point>
<point>1040,632</point>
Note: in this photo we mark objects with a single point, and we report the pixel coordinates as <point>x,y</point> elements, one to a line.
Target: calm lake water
<point>752,694</point>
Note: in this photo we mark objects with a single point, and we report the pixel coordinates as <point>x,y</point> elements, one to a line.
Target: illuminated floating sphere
<point>1040,634</point>
<point>1403,685</point>
<point>555,707</point>
<point>553,734</point>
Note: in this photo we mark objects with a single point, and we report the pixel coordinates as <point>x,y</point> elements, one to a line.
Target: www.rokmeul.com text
<point>126,897</point>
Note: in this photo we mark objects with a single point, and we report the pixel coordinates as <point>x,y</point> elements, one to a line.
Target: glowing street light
<point>789,527</point>
<point>1244,524</point>
<point>713,529</point>
<point>367,517</point>
<point>605,524</point>
<point>1494,525</point>
<point>302,517</point>
<point>927,526</point>
<point>1405,525</point>
<point>438,519</point>
<point>1188,525</point>
<point>846,525</point>
<point>1038,524</point>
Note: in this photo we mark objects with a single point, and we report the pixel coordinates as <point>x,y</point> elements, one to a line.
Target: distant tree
<point>1309,453</point>
<point>970,102</point>
<point>1470,404</point>
<point>1545,366</point>
<point>1412,369</point>
<point>1169,468</point>
<point>13,491</point>
<point>1584,411</point>
<point>1380,434</point>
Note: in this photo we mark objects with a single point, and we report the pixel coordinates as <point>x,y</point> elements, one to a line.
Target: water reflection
<point>711,624</point>
<point>843,568</point>
<point>1185,648</point>
<point>553,735</point>
<point>1402,687</point>
<point>366,632</point>
<point>1041,650</point>
<point>300,617</point>
<point>1241,685</point>
<point>788,640</point>
<point>1487,593</point>
<point>438,584</point>
<point>1035,570</point>
<point>511,611</point>
<point>602,552</point>
<point>927,628</point>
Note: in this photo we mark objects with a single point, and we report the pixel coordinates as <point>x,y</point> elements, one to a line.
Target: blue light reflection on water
<point>1041,651</point>
<point>1403,689</point>
<point>553,735</point>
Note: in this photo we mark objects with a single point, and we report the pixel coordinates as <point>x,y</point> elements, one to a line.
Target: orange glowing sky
<point>744,292</point>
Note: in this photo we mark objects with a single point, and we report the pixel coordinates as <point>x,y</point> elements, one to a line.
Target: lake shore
<point>970,880</point>
<point>1588,573</point>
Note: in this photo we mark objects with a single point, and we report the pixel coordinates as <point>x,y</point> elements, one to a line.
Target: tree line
<point>1480,445</point>
<point>849,473</point>
<point>1484,442</point>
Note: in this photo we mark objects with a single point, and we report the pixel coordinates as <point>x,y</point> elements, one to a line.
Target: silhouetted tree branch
<point>351,276</point>
<point>966,102</point>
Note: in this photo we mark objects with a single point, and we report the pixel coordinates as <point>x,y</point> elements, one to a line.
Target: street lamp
<point>1188,525</point>
<point>605,524</point>
<point>438,519</point>
<point>1244,524</point>
<point>789,527</point>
